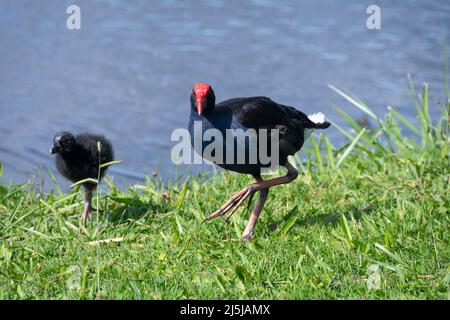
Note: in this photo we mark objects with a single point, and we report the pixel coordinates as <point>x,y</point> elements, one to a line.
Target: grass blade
<point>110,163</point>
<point>403,120</point>
<point>182,195</point>
<point>346,229</point>
<point>348,118</point>
<point>412,91</point>
<point>52,177</point>
<point>317,154</point>
<point>350,148</point>
<point>389,253</point>
<point>356,102</point>
<point>84,181</point>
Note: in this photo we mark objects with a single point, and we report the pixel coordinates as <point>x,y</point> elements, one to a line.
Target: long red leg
<point>248,232</point>
<point>289,177</point>
<point>263,186</point>
<point>252,192</point>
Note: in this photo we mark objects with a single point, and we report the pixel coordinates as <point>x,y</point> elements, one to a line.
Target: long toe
<point>247,235</point>
<point>247,194</point>
<point>232,204</point>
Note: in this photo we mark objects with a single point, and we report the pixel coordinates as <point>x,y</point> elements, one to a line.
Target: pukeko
<point>77,158</point>
<point>251,113</point>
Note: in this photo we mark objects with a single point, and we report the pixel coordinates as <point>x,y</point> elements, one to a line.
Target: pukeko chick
<point>77,158</point>
<point>252,113</point>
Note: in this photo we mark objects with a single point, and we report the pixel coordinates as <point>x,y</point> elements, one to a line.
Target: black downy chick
<point>77,158</point>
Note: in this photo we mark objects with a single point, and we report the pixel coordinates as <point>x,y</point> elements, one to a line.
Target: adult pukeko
<point>78,159</point>
<point>251,113</point>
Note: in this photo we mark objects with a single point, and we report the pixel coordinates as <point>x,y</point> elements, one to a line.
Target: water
<point>129,71</point>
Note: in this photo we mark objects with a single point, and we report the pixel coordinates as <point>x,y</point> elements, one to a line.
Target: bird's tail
<point>316,121</point>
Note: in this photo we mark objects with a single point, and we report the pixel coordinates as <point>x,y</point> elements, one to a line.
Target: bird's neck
<point>66,154</point>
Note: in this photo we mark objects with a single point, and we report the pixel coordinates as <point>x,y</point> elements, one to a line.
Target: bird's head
<point>202,98</point>
<point>63,142</point>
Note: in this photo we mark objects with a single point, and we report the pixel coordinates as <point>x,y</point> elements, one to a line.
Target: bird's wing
<point>260,112</point>
<point>263,113</point>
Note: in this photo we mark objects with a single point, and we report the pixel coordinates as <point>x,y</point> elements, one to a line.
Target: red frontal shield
<point>200,91</point>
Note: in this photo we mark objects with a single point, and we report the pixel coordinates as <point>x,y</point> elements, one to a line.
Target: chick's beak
<point>54,149</point>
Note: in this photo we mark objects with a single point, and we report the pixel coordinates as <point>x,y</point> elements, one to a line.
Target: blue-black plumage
<point>255,113</point>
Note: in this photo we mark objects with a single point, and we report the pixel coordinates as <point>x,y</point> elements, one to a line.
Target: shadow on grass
<point>332,219</point>
<point>326,219</point>
<point>125,209</point>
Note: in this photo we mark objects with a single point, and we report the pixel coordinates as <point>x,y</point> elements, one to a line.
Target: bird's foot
<point>85,215</point>
<point>233,203</point>
<point>247,235</point>
<point>248,231</point>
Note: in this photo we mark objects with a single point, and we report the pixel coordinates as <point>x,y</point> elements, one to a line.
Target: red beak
<point>200,101</point>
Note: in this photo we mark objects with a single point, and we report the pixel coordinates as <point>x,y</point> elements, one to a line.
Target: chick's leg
<point>87,206</point>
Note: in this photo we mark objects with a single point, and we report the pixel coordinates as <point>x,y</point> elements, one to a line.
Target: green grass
<point>368,220</point>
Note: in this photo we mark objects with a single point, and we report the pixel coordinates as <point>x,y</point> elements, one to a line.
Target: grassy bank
<point>367,220</point>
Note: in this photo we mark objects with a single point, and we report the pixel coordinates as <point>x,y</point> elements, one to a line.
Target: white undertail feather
<point>317,117</point>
